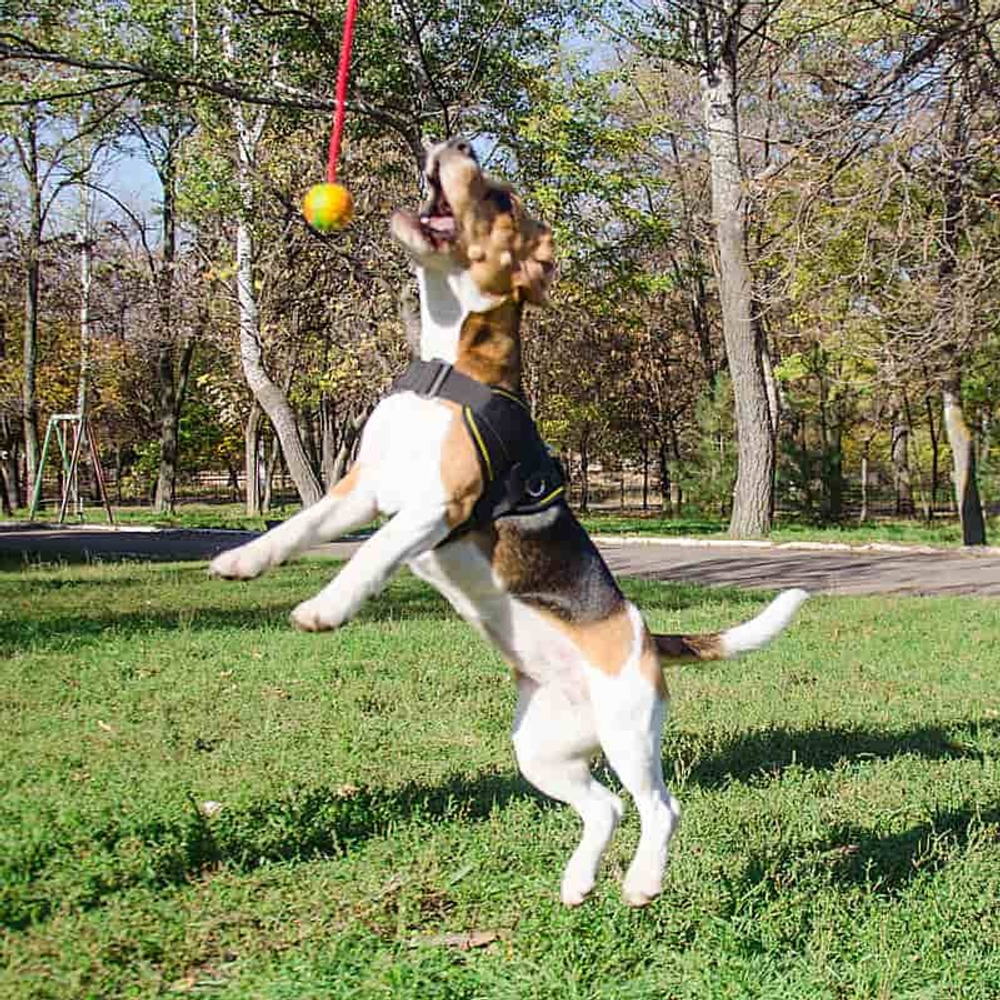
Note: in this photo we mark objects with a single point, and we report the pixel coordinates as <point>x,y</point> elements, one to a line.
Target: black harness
<point>520,474</point>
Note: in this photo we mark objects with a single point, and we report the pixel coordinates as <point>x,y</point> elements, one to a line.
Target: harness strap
<point>520,475</point>
<point>438,378</point>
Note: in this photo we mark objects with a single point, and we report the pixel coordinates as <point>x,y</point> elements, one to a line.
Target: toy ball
<point>327,207</point>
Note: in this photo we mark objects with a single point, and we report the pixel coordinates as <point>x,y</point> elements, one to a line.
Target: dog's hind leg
<point>630,708</point>
<point>349,505</point>
<point>553,739</point>
<point>634,753</point>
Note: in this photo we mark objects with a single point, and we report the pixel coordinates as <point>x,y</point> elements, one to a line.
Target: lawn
<point>943,532</point>
<point>197,800</point>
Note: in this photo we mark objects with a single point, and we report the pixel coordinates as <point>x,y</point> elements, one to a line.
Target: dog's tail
<point>751,635</point>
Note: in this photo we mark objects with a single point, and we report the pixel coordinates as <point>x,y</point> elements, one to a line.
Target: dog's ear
<point>534,270</point>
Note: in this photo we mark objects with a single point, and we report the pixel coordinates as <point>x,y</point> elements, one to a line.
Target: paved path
<point>824,571</point>
<point>831,571</point>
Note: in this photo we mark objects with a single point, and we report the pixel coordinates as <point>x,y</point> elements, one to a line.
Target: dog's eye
<point>502,200</point>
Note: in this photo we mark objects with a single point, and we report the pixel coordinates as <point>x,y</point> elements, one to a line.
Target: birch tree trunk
<point>273,401</point>
<point>716,33</point>
<point>27,148</point>
<point>8,463</point>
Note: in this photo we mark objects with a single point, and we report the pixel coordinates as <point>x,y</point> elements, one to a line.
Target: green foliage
<point>709,478</point>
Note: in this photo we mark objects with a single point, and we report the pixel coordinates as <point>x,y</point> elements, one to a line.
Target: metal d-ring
<point>535,486</point>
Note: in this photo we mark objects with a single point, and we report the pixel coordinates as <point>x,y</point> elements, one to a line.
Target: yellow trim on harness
<point>471,421</point>
<point>558,491</point>
<point>510,396</point>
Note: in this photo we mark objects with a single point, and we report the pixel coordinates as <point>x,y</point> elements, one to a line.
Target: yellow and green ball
<point>327,207</point>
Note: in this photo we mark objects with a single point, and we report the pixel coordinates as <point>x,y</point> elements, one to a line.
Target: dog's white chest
<point>402,447</point>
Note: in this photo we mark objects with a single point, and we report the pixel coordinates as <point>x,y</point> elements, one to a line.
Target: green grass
<point>841,835</point>
<point>947,533</point>
<point>942,532</point>
<point>186,515</point>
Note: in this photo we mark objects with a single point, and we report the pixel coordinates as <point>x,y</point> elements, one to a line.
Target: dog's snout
<point>464,147</point>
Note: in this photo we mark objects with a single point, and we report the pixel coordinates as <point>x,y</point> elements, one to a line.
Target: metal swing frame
<point>59,426</point>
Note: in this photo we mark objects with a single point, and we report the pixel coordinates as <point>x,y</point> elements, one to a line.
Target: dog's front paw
<point>244,563</point>
<point>314,616</point>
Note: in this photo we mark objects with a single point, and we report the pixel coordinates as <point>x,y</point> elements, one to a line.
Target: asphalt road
<point>830,571</point>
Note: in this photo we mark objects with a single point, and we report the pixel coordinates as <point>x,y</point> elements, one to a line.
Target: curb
<point>889,548</point>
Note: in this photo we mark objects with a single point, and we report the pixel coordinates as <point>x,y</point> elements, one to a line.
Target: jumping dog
<point>528,578</point>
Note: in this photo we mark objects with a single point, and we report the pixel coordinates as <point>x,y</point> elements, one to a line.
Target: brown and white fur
<point>588,671</point>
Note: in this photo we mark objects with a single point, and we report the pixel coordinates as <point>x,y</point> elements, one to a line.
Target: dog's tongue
<point>443,224</point>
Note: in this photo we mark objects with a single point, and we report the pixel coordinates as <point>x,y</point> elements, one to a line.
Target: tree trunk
<point>327,439</point>
<point>900,451</point>
<point>272,400</point>
<point>752,497</point>
<point>349,439</point>
<point>963,452</point>
<point>773,391</point>
<point>957,164</point>
<point>863,516</point>
<point>169,410</point>
<point>9,463</point>
<point>676,492</point>
<point>584,473</point>
<point>270,468</point>
<point>8,438</point>
<point>32,287</point>
<point>270,397</point>
<point>86,273</point>
<point>645,474</point>
<point>666,485</point>
<point>251,460</point>
<point>933,430</point>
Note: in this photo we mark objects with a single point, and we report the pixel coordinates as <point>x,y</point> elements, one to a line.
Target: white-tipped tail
<point>759,631</point>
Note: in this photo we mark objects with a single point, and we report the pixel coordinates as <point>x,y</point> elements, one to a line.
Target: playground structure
<point>70,430</point>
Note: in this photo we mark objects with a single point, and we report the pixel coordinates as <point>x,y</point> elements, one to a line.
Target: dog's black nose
<point>464,147</point>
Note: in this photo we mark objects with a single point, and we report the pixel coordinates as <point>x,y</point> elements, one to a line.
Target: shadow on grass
<point>302,825</point>
<point>251,604</point>
<point>767,754</point>
<point>884,864</point>
<point>245,609</point>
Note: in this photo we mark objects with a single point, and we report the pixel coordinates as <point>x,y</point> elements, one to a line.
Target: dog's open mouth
<point>437,220</point>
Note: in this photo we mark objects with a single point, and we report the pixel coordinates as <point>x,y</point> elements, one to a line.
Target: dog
<point>588,671</point>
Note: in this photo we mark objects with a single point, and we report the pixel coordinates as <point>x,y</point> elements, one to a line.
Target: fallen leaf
<point>104,726</point>
<point>464,942</point>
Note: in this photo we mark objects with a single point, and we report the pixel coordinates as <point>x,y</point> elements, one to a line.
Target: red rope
<point>341,98</point>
